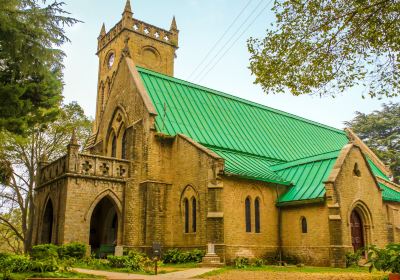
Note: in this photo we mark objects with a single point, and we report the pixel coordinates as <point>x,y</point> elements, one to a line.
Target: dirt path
<point>267,275</point>
<point>184,274</point>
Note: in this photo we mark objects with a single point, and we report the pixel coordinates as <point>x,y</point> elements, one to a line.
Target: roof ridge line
<point>248,102</point>
<point>306,160</point>
<point>243,153</point>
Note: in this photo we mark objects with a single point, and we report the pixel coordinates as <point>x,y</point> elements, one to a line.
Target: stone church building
<point>180,165</point>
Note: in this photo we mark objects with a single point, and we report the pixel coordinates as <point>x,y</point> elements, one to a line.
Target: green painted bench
<point>105,250</point>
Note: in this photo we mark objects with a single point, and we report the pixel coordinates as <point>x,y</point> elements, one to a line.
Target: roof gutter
<point>300,202</point>
<point>283,183</point>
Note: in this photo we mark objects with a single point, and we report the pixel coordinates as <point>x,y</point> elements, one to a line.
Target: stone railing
<point>85,165</point>
<point>53,169</point>
<point>143,28</point>
<point>154,32</point>
<point>102,166</point>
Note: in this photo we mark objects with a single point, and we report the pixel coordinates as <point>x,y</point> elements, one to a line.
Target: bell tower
<point>148,46</point>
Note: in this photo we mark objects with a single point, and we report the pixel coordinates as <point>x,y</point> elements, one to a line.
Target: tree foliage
<point>380,130</point>
<point>22,155</point>
<point>325,47</point>
<point>30,62</point>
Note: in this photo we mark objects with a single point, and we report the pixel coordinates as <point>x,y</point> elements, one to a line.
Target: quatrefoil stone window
<point>121,170</point>
<point>104,168</point>
<point>86,167</point>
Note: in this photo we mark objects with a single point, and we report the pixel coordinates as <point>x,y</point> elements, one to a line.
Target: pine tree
<point>380,130</point>
<point>31,33</point>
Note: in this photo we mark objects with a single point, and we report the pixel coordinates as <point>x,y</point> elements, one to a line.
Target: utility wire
<point>220,39</point>
<point>229,40</point>
<point>233,44</point>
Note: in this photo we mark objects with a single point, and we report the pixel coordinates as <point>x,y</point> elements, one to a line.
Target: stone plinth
<point>211,259</point>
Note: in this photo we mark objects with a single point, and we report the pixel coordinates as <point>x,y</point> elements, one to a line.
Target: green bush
<point>241,262</point>
<point>72,250</point>
<point>258,262</point>
<point>44,265</point>
<point>177,256</point>
<point>134,261</point>
<point>352,259</point>
<point>44,251</point>
<point>13,263</point>
<point>386,259</point>
<point>171,256</point>
<point>117,261</point>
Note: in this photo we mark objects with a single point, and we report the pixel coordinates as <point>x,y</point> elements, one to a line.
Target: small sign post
<point>157,255</point>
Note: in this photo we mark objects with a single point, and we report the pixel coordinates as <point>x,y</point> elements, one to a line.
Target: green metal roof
<point>256,142</point>
<point>375,170</point>
<point>250,166</point>
<point>307,176</point>
<point>389,194</point>
<point>220,120</point>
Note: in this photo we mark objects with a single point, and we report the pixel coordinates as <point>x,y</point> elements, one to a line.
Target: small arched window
<point>194,211</point>
<point>304,225</point>
<point>114,146</point>
<point>186,206</point>
<point>248,215</point>
<point>124,145</point>
<point>257,215</point>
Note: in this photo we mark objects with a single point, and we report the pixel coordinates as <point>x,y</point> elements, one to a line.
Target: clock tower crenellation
<point>149,47</point>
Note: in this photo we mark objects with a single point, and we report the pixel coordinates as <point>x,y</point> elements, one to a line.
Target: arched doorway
<point>47,226</point>
<point>104,227</point>
<point>357,231</point>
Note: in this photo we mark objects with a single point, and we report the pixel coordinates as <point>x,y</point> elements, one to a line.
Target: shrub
<point>44,251</point>
<point>72,250</point>
<point>134,261</point>
<point>171,256</point>
<point>290,259</point>
<point>352,259</point>
<point>176,256</point>
<point>19,263</point>
<point>258,262</point>
<point>44,265</point>
<point>116,261</point>
<point>14,263</point>
<point>241,262</point>
<point>386,259</point>
<point>196,255</point>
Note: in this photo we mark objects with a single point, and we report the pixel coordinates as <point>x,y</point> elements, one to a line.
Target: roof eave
<point>300,202</point>
<point>283,183</point>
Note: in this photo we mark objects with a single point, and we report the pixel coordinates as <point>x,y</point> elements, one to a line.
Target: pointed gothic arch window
<point>114,146</point>
<point>257,215</point>
<point>304,228</point>
<point>124,146</point>
<point>186,206</point>
<point>248,214</point>
<point>194,212</point>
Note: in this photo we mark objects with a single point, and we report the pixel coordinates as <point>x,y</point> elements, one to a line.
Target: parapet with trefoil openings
<point>84,166</point>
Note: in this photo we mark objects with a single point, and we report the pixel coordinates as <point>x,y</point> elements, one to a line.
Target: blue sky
<point>201,24</point>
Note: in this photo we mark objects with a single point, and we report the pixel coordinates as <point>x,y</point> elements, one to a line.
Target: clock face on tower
<point>110,60</point>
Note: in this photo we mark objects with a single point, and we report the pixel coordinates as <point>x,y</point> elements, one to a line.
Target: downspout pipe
<point>279,226</point>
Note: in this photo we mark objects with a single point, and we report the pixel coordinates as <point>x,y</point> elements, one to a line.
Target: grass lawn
<point>292,272</point>
<point>22,276</point>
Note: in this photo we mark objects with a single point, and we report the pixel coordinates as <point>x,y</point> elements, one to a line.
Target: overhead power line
<point>204,69</point>
<point>233,44</point>
<point>220,39</point>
